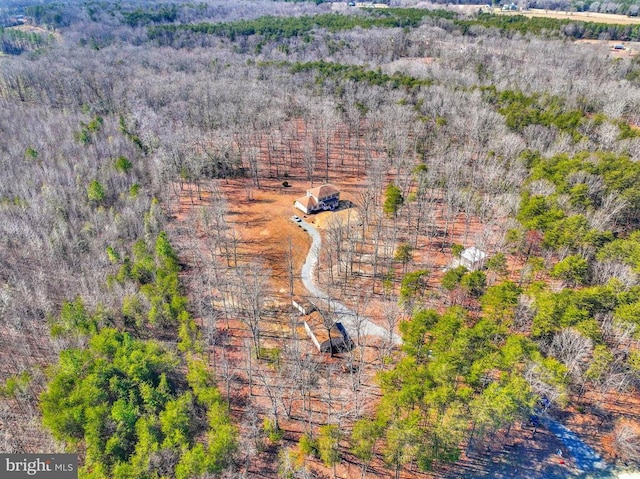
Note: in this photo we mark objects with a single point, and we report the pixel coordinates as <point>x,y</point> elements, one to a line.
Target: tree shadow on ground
<point>524,458</point>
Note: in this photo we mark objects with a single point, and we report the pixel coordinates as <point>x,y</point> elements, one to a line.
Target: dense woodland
<point>111,337</point>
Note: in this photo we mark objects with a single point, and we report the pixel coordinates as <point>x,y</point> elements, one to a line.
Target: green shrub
<point>96,192</point>
<point>308,445</point>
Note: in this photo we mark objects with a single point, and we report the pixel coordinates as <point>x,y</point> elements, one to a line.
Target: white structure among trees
<point>473,258</point>
<point>322,198</point>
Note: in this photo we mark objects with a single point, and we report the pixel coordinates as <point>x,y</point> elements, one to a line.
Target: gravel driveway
<point>346,316</point>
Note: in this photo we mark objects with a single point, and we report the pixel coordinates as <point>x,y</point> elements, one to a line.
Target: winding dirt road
<point>350,320</point>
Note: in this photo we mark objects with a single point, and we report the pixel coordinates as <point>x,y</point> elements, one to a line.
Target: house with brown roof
<point>321,198</point>
<point>335,339</point>
<point>303,305</point>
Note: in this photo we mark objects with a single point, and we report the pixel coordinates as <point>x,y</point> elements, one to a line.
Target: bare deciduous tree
<point>573,350</point>
<point>626,439</point>
<point>252,281</point>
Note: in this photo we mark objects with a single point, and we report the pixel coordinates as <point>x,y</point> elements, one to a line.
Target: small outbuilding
<point>335,340</point>
<point>473,258</point>
<point>303,305</point>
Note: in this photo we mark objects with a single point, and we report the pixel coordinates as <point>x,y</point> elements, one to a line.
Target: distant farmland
<point>577,16</point>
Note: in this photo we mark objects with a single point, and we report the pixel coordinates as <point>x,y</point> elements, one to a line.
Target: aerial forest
<point>150,157</point>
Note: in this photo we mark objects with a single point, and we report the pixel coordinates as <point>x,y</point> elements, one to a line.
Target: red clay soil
<point>261,218</point>
<point>265,227</point>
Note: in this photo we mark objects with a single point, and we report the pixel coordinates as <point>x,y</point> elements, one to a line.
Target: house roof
<point>307,201</point>
<point>473,254</point>
<point>303,302</point>
<point>316,324</point>
<point>323,191</point>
